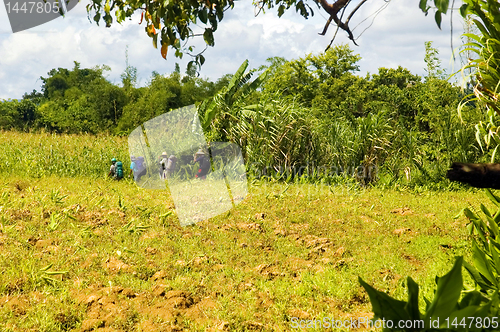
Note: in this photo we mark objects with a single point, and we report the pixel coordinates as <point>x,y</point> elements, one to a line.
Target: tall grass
<point>43,154</point>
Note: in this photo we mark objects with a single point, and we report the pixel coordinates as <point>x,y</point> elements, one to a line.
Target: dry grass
<point>78,254</point>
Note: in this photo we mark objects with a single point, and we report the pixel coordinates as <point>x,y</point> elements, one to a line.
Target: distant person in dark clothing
<point>163,165</point>
<point>170,168</point>
<point>203,164</point>
<point>116,169</point>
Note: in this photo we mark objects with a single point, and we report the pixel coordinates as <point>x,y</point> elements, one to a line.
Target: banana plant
<point>238,88</point>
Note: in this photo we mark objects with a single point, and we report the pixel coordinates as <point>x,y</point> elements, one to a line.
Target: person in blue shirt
<point>137,167</point>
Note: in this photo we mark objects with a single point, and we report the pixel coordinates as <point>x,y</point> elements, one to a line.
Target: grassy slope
<point>277,255</point>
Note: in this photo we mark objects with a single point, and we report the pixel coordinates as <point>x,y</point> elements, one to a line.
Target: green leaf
<point>463,10</point>
<point>412,305</point>
<point>423,6</point>
<point>457,316</point>
<point>448,292</point>
<point>281,10</point>
<point>208,36</point>
<point>486,211</point>
<point>442,5</point>
<point>476,276</point>
<point>203,15</point>
<point>459,214</point>
<point>201,59</point>
<point>220,13</point>
<point>494,198</point>
<point>495,258</point>
<point>97,17</point>
<point>385,306</point>
<point>472,298</point>
<point>438,18</point>
<point>482,263</point>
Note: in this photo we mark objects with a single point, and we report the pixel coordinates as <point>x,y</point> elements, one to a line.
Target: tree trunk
<point>477,175</point>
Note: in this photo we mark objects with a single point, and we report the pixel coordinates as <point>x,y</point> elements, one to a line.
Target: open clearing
<point>79,255</point>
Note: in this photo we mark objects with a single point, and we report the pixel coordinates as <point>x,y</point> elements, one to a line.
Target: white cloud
<point>396,37</point>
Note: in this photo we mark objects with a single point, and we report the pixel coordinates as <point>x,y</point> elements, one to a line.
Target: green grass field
<point>87,253</point>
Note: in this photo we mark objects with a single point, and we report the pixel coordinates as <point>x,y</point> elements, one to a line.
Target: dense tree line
<point>82,100</point>
<point>314,110</point>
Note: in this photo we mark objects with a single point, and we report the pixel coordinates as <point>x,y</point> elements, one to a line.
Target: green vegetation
<point>80,252</point>
<point>453,304</point>
<point>340,168</point>
<point>311,115</point>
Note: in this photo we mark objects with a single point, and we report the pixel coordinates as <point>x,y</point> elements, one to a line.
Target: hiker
<point>163,165</point>
<point>137,167</point>
<point>170,168</point>
<point>203,164</point>
<point>116,169</point>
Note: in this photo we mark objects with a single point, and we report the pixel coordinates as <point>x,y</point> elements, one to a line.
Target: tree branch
<point>333,9</point>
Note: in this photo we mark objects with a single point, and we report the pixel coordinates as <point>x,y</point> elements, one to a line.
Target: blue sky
<point>394,37</point>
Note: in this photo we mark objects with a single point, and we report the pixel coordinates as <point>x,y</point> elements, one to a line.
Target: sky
<point>391,34</point>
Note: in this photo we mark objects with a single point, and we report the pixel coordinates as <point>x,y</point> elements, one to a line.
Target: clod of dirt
<point>199,261</point>
<point>263,300</point>
<point>198,312</point>
<point>162,274</point>
<point>91,324</point>
<point>301,314</point>
<point>270,271</point>
<point>280,232</point>
<point>343,262</point>
<point>93,218</point>
<point>411,259</point>
<point>246,286</point>
<point>249,227</point>
<point>319,250</point>
<point>388,275</point>
<point>339,252</point>
<point>252,326</point>
<point>299,227</point>
<point>402,211</point>
<point>314,241</point>
<point>151,251</point>
<point>219,326</point>
<point>159,289</point>
<point>120,214</point>
<point>21,185</point>
<point>114,265</point>
<point>435,230</point>
<point>43,243</point>
<point>401,231</point>
<point>20,214</point>
<point>128,292</point>
<point>89,261</point>
<point>18,305</point>
<point>260,216</point>
<point>298,264</point>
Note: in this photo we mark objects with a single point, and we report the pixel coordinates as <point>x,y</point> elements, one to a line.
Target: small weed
<point>132,228</point>
<point>56,197</point>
